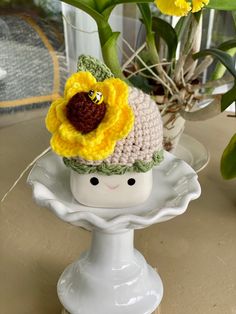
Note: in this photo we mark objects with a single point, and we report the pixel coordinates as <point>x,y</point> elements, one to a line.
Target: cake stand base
<point>157,311</point>
<point>112,277</point>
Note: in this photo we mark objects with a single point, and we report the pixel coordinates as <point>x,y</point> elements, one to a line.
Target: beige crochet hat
<point>103,126</point>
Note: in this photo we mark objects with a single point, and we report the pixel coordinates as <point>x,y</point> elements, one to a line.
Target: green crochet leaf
<point>108,169</point>
<point>97,68</point>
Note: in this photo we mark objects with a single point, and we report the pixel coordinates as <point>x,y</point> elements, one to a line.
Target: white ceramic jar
<point>114,191</point>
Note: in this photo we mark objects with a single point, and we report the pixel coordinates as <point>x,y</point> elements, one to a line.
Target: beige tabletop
<point>195,253</point>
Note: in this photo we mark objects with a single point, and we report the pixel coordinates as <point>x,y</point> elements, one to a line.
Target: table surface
<point>195,253</point>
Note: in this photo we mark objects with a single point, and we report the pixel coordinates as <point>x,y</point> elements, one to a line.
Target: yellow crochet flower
<point>180,7</point>
<point>116,124</point>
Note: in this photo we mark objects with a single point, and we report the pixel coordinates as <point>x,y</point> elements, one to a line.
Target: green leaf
<point>227,5</point>
<point>101,5</point>
<point>221,56</point>
<point>230,47</point>
<point>86,6</point>
<point>234,18</point>
<point>227,45</point>
<point>228,98</point>
<point>141,82</point>
<point>146,16</point>
<point>129,1</point>
<point>181,25</point>
<point>168,33</point>
<point>150,35</point>
<point>107,12</point>
<point>110,57</point>
<point>228,160</point>
<point>113,3</point>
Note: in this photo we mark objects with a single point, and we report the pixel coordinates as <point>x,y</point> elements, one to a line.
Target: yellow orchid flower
<point>180,7</point>
<point>197,5</point>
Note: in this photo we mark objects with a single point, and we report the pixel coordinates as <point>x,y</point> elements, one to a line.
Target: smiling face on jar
<point>113,191</point>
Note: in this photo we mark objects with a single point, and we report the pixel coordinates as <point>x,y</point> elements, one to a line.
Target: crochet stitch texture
<point>97,68</point>
<point>98,144</point>
<point>135,117</point>
<point>139,151</point>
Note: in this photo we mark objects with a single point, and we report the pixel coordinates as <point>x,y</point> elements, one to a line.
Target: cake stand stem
<point>111,251</point>
<point>112,277</point>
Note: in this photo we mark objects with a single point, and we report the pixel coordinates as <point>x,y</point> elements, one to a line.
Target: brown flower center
<point>83,113</point>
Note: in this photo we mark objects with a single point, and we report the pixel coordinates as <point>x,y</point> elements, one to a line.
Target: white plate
<point>193,152</point>
<point>175,185</point>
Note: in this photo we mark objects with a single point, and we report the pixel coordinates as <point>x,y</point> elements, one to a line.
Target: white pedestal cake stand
<point>112,277</point>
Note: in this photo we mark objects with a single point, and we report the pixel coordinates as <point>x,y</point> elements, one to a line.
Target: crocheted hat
<point>103,126</point>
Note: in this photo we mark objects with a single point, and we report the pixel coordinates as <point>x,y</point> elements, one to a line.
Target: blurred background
<point>40,41</point>
<point>32,58</point>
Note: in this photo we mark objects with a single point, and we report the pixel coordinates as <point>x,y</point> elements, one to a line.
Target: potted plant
<point>174,79</point>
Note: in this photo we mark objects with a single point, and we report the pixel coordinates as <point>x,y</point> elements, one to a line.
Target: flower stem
<point>154,56</point>
<point>152,48</point>
<point>108,40</point>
